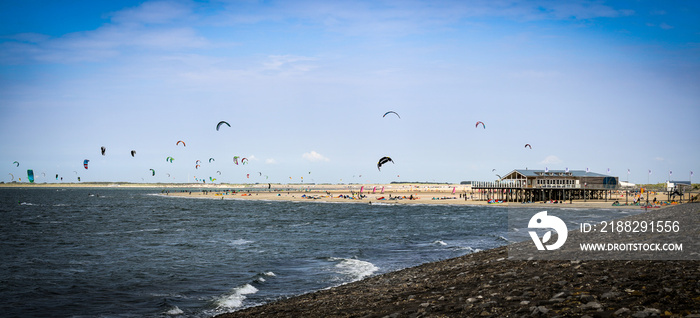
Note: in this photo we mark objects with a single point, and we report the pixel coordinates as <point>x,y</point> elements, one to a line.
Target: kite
<point>103,150</point>
<point>221,123</point>
<point>235,159</point>
<point>30,175</point>
<point>85,163</point>
<point>196,166</point>
<point>382,161</point>
<point>153,172</point>
<point>170,159</point>
<point>482,124</point>
<point>219,172</point>
<point>168,175</point>
<point>197,162</point>
<point>17,163</point>
<point>211,159</point>
<point>244,161</point>
<point>57,176</point>
<point>528,145</point>
<point>391,112</point>
<point>12,176</point>
<point>180,141</point>
<point>133,153</point>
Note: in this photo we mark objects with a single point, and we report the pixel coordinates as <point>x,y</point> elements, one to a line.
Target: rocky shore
<point>488,284</point>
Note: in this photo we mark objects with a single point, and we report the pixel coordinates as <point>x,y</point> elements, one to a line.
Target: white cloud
<point>130,29</point>
<point>157,12</point>
<point>314,156</point>
<point>551,159</point>
<point>270,161</point>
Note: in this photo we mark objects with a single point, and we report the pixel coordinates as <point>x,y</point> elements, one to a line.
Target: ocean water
<point>133,253</point>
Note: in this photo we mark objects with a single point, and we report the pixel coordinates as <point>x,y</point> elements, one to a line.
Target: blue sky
<point>304,84</point>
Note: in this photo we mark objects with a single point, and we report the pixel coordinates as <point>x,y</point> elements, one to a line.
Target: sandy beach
<point>391,194</point>
<point>453,194</point>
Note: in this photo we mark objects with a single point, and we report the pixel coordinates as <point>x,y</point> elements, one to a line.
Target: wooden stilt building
<point>523,185</point>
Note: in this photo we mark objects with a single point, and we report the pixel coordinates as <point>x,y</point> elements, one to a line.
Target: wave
<point>240,242</point>
<point>502,238</point>
<point>355,269</point>
<point>440,242</point>
<point>174,311</point>
<point>235,298</point>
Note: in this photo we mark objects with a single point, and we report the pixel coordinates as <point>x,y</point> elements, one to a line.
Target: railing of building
<point>522,184</point>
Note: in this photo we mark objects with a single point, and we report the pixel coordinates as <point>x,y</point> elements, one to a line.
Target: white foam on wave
<point>354,268</point>
<point>440,242</point>
<point>500,237</point>
<point>236,297</point>
<point>174,311</point>
<point>269,274</point>
<point>240,242</point>
<point>463,248</point>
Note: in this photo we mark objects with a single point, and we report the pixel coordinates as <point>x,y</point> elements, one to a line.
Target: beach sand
<point>392,194</point>
<point>488,284</point>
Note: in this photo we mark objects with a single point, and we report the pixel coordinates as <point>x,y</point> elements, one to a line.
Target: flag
<point>587,170</point>
<point>546,169</point>
<point>567,169</point>
<point>649,171</point>
<point>608,170</point>
<point>628,171</point>
<point>691,173</point>
<point>670,172</point>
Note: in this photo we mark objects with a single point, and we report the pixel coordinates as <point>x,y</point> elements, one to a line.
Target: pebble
<point>621,311</point>
<point>539,310</point>
<point>587,298</point>
<point>610,295</point>
<point>592,305</point>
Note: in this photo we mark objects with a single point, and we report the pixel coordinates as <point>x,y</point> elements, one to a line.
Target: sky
<point>604,85</point>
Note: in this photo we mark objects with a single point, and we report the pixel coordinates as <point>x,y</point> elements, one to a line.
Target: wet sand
<point>488,284</point>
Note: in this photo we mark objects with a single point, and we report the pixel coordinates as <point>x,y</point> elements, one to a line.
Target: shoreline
<point>396,198</point>
<point>489,284</point>
<point>422,193</point>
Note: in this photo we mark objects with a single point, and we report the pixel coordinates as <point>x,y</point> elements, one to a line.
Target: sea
<point>111,252</point>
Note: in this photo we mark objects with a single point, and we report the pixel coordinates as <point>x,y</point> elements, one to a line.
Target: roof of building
<point>556,173</point>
